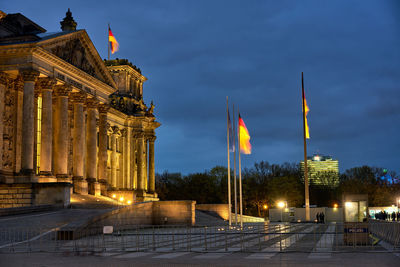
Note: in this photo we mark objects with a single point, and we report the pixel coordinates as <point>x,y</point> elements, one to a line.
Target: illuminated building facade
<point>69,119</point>
<point>322,170</point>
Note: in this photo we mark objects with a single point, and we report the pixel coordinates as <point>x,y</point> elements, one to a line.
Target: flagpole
<point>234,164</point>
<point>229,162</point>
<point>108,41</point>
<point>240,183</point>
<point>306,189</point>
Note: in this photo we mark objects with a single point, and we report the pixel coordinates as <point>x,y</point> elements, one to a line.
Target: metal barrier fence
<point>256,237</point>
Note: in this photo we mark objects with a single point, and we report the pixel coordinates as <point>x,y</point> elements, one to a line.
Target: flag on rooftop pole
<point>305,115</point>
<point>245,146</point>
<point>305,135</point>
<point>229,133</point>
<point>114,45</point>
<point>234,165</point>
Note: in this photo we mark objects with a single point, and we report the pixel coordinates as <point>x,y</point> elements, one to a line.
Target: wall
<point>34,194</point>
<point>331,214</point>
<point>15,195</point>
<point>221,209</point>
<point>180,212</point>
<point>51,193</point>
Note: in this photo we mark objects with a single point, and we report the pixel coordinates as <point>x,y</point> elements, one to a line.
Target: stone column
<point>102,150</point>
<point>145,163</point>
<point>3,84</point>
<point>114,159</point>
<point>78,145</point>
<point>133,162</point>
<point>91,147</point>
<point>127,157</point>
<point>61,132</point>
<point>46,147</point>
<point>152,178</point>
<point>19,90</point>
<point>28,127</point>
<point>140,173</point>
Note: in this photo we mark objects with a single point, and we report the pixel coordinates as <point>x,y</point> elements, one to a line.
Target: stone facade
<point>69,117</point>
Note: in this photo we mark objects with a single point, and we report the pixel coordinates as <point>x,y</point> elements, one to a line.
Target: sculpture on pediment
<point>74,53</point>
<point>151,109</point>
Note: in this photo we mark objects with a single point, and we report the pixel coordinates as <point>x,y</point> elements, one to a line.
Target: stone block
<point>3,191</point>
<point>12,191</point>
<point>24,201</point>
<point>24,191</point>
<point>26,196</point>
<point>17,195</point>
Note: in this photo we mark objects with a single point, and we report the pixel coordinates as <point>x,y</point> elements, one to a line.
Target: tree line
<point>266,184</point>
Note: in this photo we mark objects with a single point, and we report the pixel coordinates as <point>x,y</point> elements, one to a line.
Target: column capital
<point>138,135</point>
<point>152,138</point>
<point>92,102</point>
<point>109,129</point>
<point>29,75</point>
<point>46,83</point>
<point>62,90</point>
<point>19,84</point>
<point>103,108</point>
<point>116,131</point>
<point>78,97</point>
<point>4,79</point>
<point>124,132</point>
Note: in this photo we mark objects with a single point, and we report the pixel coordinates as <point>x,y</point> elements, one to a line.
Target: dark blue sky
<point>195,53</point>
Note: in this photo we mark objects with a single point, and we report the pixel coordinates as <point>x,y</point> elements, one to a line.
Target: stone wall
<point>15,195</point>
<point>34,194</point>
<point>52,194</point>
<point>221,209</point>
<point>151,213</point>
<point>331,214</point>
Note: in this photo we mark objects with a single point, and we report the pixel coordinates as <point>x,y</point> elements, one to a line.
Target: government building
<point>322,170</point>
<point>70,121</point>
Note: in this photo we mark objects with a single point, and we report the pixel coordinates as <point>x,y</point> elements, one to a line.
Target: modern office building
<point>322,170</point>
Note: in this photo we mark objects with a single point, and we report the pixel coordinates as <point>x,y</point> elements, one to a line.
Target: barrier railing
<point>254,237</point>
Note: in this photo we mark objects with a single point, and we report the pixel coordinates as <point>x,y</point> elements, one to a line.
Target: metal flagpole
<point>108,41</point>
<point>306,192</point>
<point>229,162</point>
<point>234,165</point>
<point>240,183</point>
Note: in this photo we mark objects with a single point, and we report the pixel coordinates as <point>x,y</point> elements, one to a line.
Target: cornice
<point>129,70</point>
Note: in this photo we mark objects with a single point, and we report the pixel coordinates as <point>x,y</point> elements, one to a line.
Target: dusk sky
<point>195,53</point>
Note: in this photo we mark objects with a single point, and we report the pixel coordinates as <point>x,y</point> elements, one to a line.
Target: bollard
<point>137,239</point>
<point>153,241</point>
<point>259,238</point>
<point>173,239</point>
<point>205,238</point>
<point>226,240</point>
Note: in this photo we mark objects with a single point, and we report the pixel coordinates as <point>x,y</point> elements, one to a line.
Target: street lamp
<point>265,207</point>
<point>281,205</point>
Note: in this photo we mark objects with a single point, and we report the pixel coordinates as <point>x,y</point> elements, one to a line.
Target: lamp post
<point>265,207</point>
<point>281,205</point>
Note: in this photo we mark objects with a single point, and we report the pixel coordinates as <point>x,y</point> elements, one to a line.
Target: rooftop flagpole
<point>306,189</point>
<point>229,162</point>
<point>240,182</point>
<point>108,41</point>
<point>234,164</point>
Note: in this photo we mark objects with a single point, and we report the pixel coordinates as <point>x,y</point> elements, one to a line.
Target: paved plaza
<point>197,259</point>
<point>273,244</point>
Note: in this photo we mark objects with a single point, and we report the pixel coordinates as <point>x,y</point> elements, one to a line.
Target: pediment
<point>78,50</point>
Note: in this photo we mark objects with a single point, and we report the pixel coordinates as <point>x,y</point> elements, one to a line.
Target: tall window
<point>38,133</point>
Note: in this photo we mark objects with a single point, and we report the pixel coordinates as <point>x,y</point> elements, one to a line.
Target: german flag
<point>245,146</point>
<point>113,42</point>
<point>305,116</point>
